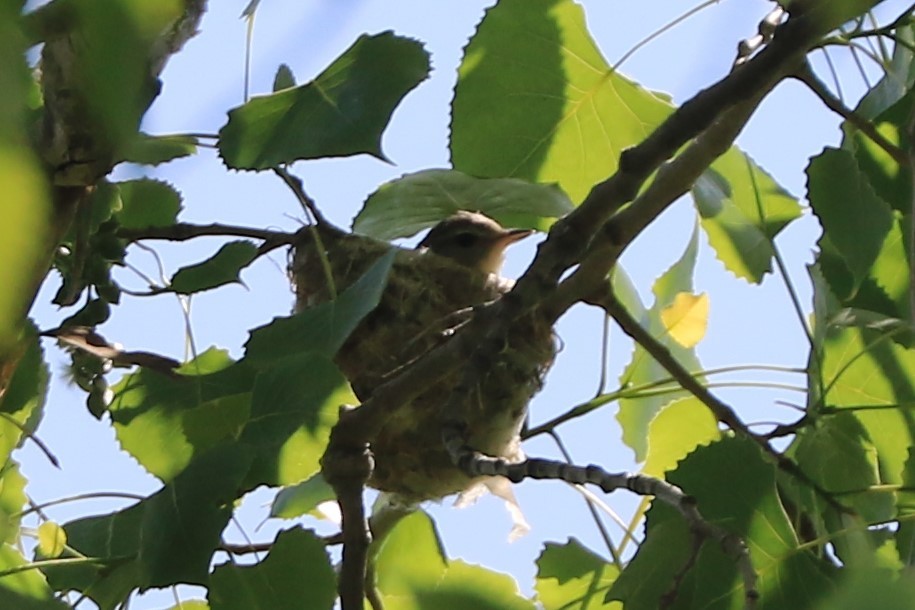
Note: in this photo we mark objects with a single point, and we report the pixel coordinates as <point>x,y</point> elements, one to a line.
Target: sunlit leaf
<point>191,604</point>
<point>570,577</point>
<point>840,457</point>
<point>51,539</point>
<point>686,319</point>
<point>26,212</point>
<point>220,269</point>
<point>676,431</point>
<point>410,557</point>
<point>734,487</point>
<point>26,391</point>
<point>295,574</point>
<point>165,421</point>
<point>413,574</point>
<point>742,210</point>
<point>12,501</point>
<point>871,375</point>
<point>559,115</point>
<point>414,202</point>
<point>302,498</point>
<point>870,588</point>
<point>636,413</point>
<point>342,112</point>
<point>25,590</point>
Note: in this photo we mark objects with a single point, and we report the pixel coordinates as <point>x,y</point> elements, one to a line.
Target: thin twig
<point>298,189</point>
<point>589,502</point>
<point>85,496</point>
<point>183,231</point>
<point>32,437</point>
<point>818,88</point>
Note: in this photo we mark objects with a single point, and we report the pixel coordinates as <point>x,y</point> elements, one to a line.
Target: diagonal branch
<point>479,464</point>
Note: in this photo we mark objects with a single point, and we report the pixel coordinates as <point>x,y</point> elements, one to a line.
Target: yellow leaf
<point>51,539</point>
<point>686,319</point>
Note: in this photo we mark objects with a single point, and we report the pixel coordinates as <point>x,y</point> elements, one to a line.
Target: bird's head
<point>473,240</point>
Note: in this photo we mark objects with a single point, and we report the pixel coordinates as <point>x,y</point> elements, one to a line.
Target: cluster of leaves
<point>217,428</point>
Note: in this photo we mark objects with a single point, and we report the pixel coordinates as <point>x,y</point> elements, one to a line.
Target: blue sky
<point>748,324</point>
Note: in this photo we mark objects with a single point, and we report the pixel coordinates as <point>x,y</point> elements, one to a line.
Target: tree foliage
<point>547,135</point>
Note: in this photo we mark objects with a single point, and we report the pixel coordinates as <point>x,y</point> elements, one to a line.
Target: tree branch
<point>182,231</point>
<point>478,464</point>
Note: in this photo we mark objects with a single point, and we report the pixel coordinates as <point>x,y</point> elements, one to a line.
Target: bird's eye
<point>465,240</point>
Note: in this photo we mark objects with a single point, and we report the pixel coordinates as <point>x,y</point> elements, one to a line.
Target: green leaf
<point>27,208</point>
<point>166,539</point>
<point>856,222</point>
<point>871,588</point>
<point>293,408</point>
<point>560,114</point>
<point>570,577</point>
<point>342,112</point>
<point>734,487</point>
<point>284,78</point>
<point>147,149</point>
<point>26,590</point>
<point>410,556</point>
<point>839,456</point>
<point>867,373</point>
<point>12,501</point>
<point>113,538</point>
<point>147,203</point>
<point>192,604</point>
<point>897,80</point>
<point>164,422</point>
<point>742,210</point>
<point>182,524</point>
<point>51,539</point>
<point>413,574</point>
<point>677,430</point>
<point>117,92</point>
<point>321,329</point>
<point>296,574</point>
<point>301,498</point>
<point>635,414</point>
<point>24,398</point>
<point>220,269</point>
<point>414,202</point>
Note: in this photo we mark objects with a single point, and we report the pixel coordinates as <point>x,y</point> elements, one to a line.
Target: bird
<point>455,267</point>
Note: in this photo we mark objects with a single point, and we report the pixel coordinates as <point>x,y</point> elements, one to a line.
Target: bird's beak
<point>511,236</point>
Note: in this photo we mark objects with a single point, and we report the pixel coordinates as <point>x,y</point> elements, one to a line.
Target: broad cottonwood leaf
<point>295,574</point>
<point>342,112</point>
<point>413,202</point>
<point>220,269</point>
